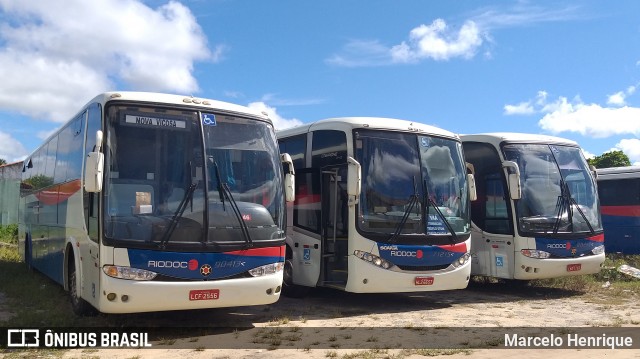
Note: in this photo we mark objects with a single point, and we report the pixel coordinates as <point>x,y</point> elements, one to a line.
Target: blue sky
<point>564,68</point>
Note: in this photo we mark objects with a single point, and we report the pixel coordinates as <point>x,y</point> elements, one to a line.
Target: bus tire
<point>288,288</point>
<point>78,305</point>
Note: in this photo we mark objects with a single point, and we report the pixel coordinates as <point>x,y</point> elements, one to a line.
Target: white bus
<point>151,202</point>
<point>537,213</point>
<point>619,192</point>
<point>382,205</point>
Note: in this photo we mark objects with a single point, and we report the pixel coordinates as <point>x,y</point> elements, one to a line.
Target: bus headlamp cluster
<point>272,268</point>
<point>128,273</point>
<point>373,259</point>
<point>598,250</point>
<point>534,253</point>
<point>461,261</point>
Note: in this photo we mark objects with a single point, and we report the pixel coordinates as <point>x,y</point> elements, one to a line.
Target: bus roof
<point>163,98</point>
<point>497,138</point>
<point>618,172</point>
<point>376,123</point>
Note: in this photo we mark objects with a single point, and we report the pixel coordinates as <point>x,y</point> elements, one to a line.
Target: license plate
<point>574,267</point>
<point>204,294</point>
<point>423,281</point>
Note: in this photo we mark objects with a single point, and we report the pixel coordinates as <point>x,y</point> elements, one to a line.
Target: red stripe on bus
<point>598,238</point>
<point>625,211</point>
<point>60,193</point>
<point>458,247</point>
<point>261,252</point>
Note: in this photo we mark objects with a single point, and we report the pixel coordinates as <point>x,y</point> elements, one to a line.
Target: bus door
<point>304,239</point>
<point>492,236</point>
<point>334,227</point>
<point>90,250</point>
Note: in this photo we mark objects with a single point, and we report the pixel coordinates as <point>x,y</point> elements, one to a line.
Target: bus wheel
<point>79,305</point>
<point>288,288</point>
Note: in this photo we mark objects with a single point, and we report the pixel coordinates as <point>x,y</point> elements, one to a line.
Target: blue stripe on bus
<point>417,256</point>
<point>567,248</point>
<point>197,265</point>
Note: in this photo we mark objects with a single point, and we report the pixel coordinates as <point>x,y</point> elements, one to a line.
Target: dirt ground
<point>333,324</point>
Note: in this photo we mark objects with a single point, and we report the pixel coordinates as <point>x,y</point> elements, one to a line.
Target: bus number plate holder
<point>423,280</point>
<point>204,294</point>
<point>574,267</point>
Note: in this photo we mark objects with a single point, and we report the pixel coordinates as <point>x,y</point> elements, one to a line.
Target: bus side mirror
<point>513,180</point>
<point>94,167</point>
<point>473,194</point>
<point>289,178</point>
<point>354,181</point>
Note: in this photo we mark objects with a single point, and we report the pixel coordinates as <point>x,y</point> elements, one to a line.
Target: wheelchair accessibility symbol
<point>209,119</point>
<point>499,261</point>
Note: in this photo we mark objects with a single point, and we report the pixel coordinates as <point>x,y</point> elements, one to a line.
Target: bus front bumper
<point>127,296</point>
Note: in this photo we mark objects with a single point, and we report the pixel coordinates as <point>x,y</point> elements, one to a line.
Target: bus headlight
<point>598,250</point>
<point>534,253</point>
<point>461,261</point>
<point>272,268</point>
<point>128,273</point>
<point>373,259</point>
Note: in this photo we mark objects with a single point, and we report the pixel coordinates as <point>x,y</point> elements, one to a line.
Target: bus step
<point>335,285</point>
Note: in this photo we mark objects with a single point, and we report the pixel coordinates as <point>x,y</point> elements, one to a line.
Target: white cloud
<point>441,42</point>
<point>593,120</point>
<point>617,99</point>
<point>58,54</point>
<point>436,41</point>
<point>523,108</point>
<point>620,98</point>
<point>279,122</point>
<point>11,150</point>
<point>631,147</point>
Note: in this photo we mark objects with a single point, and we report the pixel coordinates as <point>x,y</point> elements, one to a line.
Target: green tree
<point>2,161</point>
<point>610,159</point>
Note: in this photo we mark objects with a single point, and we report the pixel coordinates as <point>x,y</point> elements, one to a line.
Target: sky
<point>564,68</point>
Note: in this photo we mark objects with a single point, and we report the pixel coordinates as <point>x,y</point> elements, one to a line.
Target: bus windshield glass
<point>558,192</point>
<point>414,188</point>
<point>158,171</point>
<point>244,180</point>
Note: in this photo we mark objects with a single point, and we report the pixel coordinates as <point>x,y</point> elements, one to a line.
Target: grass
<point>593,283</point>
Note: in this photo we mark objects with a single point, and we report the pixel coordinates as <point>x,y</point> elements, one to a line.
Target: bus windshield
<point>414,188</point>
<point>558,191</point>
<point>161,187</point>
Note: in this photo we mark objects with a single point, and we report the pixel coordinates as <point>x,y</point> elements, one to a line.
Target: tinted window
<point>624,192</point>
<point>329,147</point>
<point>296,148</point>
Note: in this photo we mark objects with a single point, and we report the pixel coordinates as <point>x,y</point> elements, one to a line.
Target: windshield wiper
<point>220,190</point>
<point>177,215</point>
<point>225,191</point>
<point>430,202</point>
<point>567,202</point>
<point>413,199</point>
<point>236,210</point>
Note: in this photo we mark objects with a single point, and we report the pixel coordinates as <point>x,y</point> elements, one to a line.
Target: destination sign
<point>155,122</point>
